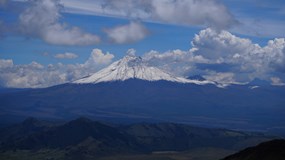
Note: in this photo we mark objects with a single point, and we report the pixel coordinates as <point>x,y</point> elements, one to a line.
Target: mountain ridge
<point>270,150</point>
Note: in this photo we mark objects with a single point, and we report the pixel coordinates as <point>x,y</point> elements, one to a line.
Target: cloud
<point>66,55</point>
<point>42,20</point>
<point>221,54</point>
<point>22,76</point>
<point>277,81</point>
<point>177,62</point>
<point>191,12</point>
<point>6,63</point>
<point>98,57</point>
<point>129,33</point>
<point>219,45</point>
<point>224,47</point>
<point>275,50</point>
<point>216,55</point>
<point>221,77</point>
<point>179,12</point>
<point>35,75</point>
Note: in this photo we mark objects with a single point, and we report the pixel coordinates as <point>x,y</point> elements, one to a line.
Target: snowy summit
<point>133,67</point>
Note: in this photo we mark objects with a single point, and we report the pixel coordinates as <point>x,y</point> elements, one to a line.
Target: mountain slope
<point>27,127</point>
<point>137,138</point>
<point>179,137</point>
<point>80,132</point>
<point>133,99</point>
<point>271,150</point>
<point>132,67</point>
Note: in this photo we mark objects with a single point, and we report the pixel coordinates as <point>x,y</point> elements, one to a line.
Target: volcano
<point>133,67</point>
<point>129,90</point>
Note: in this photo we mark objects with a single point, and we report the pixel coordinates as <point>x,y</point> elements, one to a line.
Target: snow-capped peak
<point>133,67</point>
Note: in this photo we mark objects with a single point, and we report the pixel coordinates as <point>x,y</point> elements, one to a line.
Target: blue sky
<point>65,32</point>
<point>162,37</point>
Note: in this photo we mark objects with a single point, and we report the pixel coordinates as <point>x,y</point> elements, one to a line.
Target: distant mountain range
<point>131,91</point>
<point>83,138</point>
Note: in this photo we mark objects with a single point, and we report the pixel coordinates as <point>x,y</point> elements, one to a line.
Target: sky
<point>49,42</point>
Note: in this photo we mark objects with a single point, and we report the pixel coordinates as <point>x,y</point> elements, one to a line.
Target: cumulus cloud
<point>35,75</point>
<point>250,60</point>
<point>275,50</point>
<point>6,63</point>
<point>129,33</point>
<point>181,12</point>
<point>218,45</point>
<point>224,57</point>
<point>66,55</point>
<point>42,20</point>
<point>98,57</point>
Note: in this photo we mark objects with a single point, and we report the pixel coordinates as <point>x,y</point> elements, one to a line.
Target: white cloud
<point>6,63</point>
<point>249,58</point>
<point>177,62</point>
<point>35,75</point>
<point>180,12</point>
<point>275,54</point>
<point>184,63</point>
<point>224,58</point>
<point>191,12</point>
<point>99,58</point>
<point>222,54</point>
<point>221,77</point>
<point>129,33</point>
<point>41,20</point>
<point>218,45</point>
<point>22,76</point>
<point>66,55</point>
<point>277,81</point>
<point>36,65</point>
